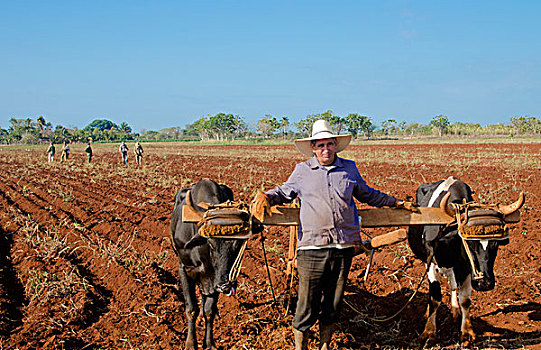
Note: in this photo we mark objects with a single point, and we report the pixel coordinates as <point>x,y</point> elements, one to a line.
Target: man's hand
<point>261,206</point>
<point>411,206</point>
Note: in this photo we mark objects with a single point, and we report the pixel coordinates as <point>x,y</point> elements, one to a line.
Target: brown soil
<point>86,262</point>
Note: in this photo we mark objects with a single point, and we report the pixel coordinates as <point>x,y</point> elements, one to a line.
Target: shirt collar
<point>314,164</point>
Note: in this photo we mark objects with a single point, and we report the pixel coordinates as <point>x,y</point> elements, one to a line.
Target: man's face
<point>325,150</point>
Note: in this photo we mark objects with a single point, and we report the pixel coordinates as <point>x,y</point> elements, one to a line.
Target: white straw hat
<point>322,130</point>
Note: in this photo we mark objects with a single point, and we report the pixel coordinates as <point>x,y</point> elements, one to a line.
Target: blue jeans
<point>322,279</point>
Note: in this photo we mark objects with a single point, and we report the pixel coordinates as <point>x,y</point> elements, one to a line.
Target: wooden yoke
<point>370,218</point>
<point>378,217</point>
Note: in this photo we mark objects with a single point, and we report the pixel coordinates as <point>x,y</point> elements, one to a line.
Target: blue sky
<point>157,64</point>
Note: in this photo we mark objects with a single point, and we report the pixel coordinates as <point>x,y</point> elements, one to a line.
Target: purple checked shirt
<point>328,213</point>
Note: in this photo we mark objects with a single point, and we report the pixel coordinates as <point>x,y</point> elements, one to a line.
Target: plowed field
<point>86,261</point>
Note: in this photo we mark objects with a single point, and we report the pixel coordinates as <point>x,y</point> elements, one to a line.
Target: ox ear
<point>424,191</point>
<point>226,192</point>
<point>181,195</point>
<point>196,241</point>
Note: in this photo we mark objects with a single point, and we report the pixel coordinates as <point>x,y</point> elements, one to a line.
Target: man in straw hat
<point>329,226</point>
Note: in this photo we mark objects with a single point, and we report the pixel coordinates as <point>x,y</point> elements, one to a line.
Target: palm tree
<point>41,122</point>
<point>124,127</point>
<point>284,123</point>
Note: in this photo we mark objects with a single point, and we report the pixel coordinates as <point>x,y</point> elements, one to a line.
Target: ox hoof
<point>429,339</point>
<point>467,337</point>
<point>190,345</point>
<point>430,336</point>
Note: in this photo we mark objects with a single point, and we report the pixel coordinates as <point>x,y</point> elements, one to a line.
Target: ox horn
<point>445,207</point>
<point>190,204</point>
<point>511,208</point>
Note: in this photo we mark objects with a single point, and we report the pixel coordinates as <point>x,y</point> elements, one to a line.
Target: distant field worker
<point>88,151</point>
<point>138,153</point>
<point>50,152</point>
<point>65,151</point>
<point>123,149</point>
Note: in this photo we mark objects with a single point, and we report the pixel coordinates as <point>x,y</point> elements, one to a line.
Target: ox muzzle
<point>229,288</point>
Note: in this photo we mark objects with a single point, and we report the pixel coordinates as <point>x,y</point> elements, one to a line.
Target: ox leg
<point>464,298</point>
<point>455,306</point>
<point>192,311</point>
<point>434,279</point>
<point>210,310</point>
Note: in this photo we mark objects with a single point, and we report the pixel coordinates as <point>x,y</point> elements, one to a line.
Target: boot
<point>301,341</point>
<point>325,335</point>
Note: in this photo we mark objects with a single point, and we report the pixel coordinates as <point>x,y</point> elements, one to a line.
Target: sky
<point>159,64</point>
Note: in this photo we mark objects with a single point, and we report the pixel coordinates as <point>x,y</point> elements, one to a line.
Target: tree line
<point>223,126</point>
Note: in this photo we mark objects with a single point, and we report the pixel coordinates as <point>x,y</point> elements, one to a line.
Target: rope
<point>262,239</point>
<point>429,262</point>
<point>235,269</point>
<point>476,274</point>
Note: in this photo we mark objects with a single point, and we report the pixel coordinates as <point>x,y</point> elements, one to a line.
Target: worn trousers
<point>322,280</point>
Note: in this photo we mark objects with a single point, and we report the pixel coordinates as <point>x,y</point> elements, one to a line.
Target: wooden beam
<point>388,238</point>
<point>378,217</point>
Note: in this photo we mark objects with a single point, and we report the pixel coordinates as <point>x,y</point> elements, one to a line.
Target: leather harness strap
<point>478,222</point>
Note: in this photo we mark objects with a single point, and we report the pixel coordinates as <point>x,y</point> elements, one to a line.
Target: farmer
<point>88,151</point>
<point>123,149</point>
<point>138,153</point>
<point>329,226</point>
<point>65,151</point>
<point>50,152</point>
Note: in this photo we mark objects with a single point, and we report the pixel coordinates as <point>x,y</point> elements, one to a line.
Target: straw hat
<point>322,130</point>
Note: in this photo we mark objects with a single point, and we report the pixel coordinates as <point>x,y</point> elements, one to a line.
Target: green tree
<point>23,131</point>
<point>533,124</point>
<point>304,126</point>
<point>4,136</point>
<point>223,126</point>
<point>402,126</point>
<point>173,133</point>
<point>202,127</point>
<point>359,124</point>
<point>61,133</point>
<point>267,125</point>
<point>414,128</point>
<point>125,128</point>
<point>389,126</point>
<point>337,122</point>
<point>81,135</point>
<point>151,135</point>
<point>459,128</point>
<point>42,123</point>
<point>441,123</point>
<point>101,124</point>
